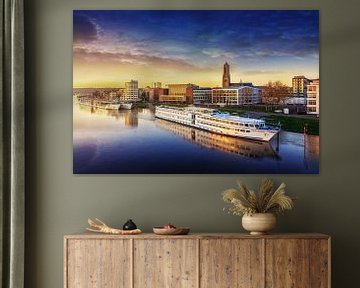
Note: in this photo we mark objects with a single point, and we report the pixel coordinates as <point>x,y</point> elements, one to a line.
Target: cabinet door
<point>231,263</point>
<point>98,263</point>
<point>165,263</point>
<point>289,263</point>
<point>320,263</point>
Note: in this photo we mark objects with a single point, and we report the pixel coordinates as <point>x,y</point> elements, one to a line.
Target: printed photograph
<point>196,92</point>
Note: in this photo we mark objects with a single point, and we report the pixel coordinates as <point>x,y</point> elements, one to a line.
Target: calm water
<point>108,142</point>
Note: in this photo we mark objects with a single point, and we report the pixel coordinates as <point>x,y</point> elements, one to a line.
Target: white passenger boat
<point>127,106</point>
<point>217,122</point>
<point>233,145</point>
<point>107,105</point>
<point>110,106</point>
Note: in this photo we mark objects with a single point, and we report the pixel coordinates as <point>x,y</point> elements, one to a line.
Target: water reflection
<point>311,146</point>
<point>311,150</point>
<point>130,117</point>
<point>239,146</point>
<point>133,141</point>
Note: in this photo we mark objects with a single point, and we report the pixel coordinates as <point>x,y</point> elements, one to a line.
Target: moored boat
<point>101,104</point>
<point>233,145</point>
<point>218,122</point>
<point>127,106</point>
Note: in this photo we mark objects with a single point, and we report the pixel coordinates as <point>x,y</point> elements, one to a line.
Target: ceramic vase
<point>259,223</point>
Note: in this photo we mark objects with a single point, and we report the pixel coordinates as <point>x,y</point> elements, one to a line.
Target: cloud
<point>182,42</point>
<point>260,72</point>
<point>83,54</point>
<point>85,30</point>
<point>217,53</point>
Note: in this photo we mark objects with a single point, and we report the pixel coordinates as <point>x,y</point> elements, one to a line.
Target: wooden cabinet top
<point>199,236</point>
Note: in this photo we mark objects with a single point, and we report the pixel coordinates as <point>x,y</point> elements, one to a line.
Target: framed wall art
<point>196,91</point>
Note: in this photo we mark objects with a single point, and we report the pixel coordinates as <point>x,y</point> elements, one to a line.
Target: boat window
<point>246,125</point>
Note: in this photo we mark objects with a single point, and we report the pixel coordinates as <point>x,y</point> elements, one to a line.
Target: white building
<point>243,95</point>
<point>202,95</point>
<point>312,100</point>
<point>131,91</point>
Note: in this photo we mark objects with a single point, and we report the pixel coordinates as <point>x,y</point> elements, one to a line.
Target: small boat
<point>127,106</point>
<point>218,122</point>
<point>111,106</point>
<point>100,104</point>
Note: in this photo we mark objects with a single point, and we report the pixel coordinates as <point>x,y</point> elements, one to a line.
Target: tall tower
<point>226,75</point>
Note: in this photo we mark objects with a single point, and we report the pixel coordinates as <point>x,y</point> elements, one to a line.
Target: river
<point>123,142</point>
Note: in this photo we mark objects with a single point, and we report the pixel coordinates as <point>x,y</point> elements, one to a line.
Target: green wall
<point>59,203</point>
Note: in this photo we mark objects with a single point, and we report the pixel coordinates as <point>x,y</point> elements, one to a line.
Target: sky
<point>111,47</point>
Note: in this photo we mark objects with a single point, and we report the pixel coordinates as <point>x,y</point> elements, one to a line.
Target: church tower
<point>226,75</point>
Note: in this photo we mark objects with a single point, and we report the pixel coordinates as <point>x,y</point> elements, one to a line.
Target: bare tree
<point>274,93</point>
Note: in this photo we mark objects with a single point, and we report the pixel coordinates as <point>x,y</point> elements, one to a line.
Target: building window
<point>311,102</point>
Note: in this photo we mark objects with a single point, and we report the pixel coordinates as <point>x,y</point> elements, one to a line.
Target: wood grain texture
<point>98,263</point>
<point>287,263</point>
<point>231,263</point>
<point>166,263</point>
<point>319,263</point>
<point>197,260</point>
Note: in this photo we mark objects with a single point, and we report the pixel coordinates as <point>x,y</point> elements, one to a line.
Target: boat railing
<point>269,127</point>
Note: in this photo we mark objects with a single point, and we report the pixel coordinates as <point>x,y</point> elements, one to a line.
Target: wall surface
<point>59,202</point>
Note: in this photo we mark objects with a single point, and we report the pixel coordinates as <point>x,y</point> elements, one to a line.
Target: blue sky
<point>191,46</point>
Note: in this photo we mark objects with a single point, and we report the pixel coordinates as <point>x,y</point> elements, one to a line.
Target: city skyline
<point>112,47</point>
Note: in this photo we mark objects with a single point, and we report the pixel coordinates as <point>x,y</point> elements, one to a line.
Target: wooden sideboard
<point>197,260</point>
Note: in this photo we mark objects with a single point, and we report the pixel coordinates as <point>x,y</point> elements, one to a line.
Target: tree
<point>96,94</point>
<point>275,93</point>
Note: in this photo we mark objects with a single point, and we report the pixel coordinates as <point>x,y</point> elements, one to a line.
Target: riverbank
<point>291,123</point>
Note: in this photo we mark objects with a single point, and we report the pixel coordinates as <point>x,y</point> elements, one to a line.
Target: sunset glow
<point>111,47</point>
